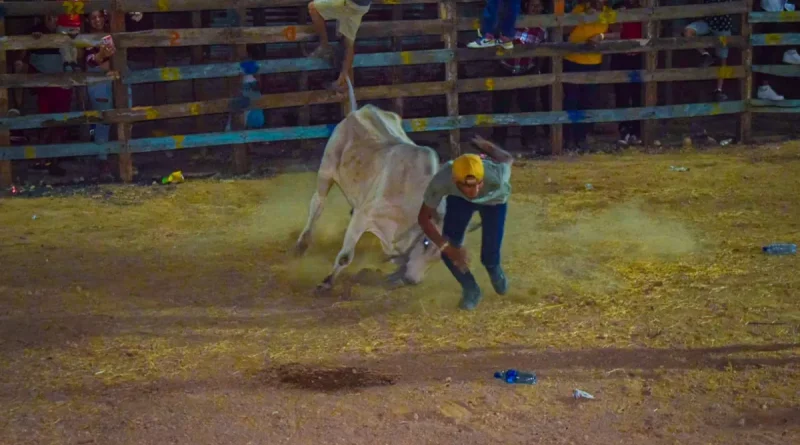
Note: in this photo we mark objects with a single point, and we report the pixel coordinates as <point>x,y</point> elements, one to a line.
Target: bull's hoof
<point>325,287</point>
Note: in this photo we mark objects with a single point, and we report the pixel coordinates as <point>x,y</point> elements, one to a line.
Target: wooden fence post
<point>556,89</point>
<point>448,13</point>
<point>397,71</point>
<point>6,177</point>
<point>650,88</point>
<point>119,62</point>
<point>241,161</point>
<point>304,113</point>
<point>746,83</point>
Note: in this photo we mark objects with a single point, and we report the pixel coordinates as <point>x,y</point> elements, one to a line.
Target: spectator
<point>790,56</point>
<point>526,98</point>
<point>348,15</point>
<point>70,25</point>
<point>579,96</point>
<point>717,26</point>
<point>49,99</point>
<point>628,95</point>
<point>495,31</point>
<point>98,59</point>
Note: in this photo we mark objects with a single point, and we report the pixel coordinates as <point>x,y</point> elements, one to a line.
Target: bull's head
<point>419,253</point>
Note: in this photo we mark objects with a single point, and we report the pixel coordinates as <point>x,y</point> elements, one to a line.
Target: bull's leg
<point>324,185</point>
<point>358,225</point>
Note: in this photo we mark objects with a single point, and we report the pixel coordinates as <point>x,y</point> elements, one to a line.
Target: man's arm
<point>493,151</point>
<point>425,220</point>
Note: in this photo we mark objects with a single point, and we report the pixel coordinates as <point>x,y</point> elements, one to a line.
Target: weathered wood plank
<point>419,89</point>
<point>449,14</point>
<point>51,80</point>
<point>28,8</point>
<point>746,83</point>
<point>775,39</point>
<point>6,173</point>
<point>774,17</point>
<point>778,70</point>
<point>119,62</point>
<point>557,88</point>
<point>410,125</point>
<point>650,88</point>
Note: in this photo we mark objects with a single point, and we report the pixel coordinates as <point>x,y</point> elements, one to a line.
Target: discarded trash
<point>725,142</point>
<point>173,178</point>
<point>589,187</point>
<point>578,394</point>
<point>678,169</point>
<point>780,249</point>
<point>35,217</point>
<point>513,376</point>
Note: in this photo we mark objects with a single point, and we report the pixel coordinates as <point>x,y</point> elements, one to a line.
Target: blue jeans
<point>456,220</point>
<point>491,22</point>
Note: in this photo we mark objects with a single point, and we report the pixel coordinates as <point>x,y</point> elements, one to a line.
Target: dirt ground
<point>177,314</point>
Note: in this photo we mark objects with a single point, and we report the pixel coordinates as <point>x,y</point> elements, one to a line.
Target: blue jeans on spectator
<point>101,98</point>
<point>578,97</point>
<point>491,23</point>
<point>456,220</point>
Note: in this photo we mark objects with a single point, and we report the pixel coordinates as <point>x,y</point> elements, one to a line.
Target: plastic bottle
<point>513,376</point>
<point>780,249</point>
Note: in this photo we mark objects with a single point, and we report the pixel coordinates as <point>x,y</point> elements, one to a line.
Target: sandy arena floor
<point>159,315</point>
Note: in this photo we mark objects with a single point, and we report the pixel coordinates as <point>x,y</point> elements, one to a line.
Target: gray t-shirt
<point>496,185</point>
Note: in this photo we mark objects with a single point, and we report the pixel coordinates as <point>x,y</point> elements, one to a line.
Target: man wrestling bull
<point>470,183</point>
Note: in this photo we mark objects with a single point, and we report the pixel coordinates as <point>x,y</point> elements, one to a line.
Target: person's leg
<point>318,22</point>
<point>722,53</point>
<point>508,23</point>
<point>489,19</point>
<point>347,64</point>
<point>456,219</point>
<point>695,29</point>
<point>101,100</point>
<point>493,219</point>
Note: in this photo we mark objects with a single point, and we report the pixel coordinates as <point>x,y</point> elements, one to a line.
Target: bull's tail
<point>352,95</point>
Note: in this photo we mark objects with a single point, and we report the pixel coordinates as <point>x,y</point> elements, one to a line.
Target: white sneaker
<point>766,92</point>
<point>483,42</point>
<point>791,57</point>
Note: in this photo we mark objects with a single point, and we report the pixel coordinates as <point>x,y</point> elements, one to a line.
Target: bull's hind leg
<point>324,185</point>
<point>358,224</point>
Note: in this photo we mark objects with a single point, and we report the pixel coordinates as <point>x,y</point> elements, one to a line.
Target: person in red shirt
<point>629,95</point>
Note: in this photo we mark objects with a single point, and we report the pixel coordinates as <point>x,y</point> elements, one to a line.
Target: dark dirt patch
<point>328,379</point>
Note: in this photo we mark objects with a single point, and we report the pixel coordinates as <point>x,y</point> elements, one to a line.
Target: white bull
<point>383,176</point>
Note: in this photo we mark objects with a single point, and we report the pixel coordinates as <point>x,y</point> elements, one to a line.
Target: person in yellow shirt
<point>579,96</point>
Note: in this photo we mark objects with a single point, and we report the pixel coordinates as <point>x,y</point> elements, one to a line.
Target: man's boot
<point>470,291</point>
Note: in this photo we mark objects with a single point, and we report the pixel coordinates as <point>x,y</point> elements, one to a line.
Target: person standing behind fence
<point>526,98</point>
<point>98,60</point>
<point>348,15</point>
<point>718,26</point>
<point>628,95</point>
<point>579,96</point>
<point>768,54</point>
<point>497,24</point>
<point>70,25</point>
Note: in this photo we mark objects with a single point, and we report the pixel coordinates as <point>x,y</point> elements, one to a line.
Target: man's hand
<point>459,257</point>
<point>36,35</point>
<point>595,39</point>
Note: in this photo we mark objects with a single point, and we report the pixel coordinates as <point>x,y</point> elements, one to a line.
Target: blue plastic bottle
<point>513,376</point>
<point>780,249</point>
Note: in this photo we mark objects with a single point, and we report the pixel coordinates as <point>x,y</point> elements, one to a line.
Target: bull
<point>383,176</point>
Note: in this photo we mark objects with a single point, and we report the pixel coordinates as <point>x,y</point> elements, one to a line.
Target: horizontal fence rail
<point>445,27</point>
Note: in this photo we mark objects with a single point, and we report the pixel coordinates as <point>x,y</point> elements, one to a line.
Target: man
<point>497,24</point>
<point>470,183</point>
<point>348,15</point>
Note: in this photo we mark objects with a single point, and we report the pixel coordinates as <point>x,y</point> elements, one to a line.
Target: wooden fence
<point>447,26</point>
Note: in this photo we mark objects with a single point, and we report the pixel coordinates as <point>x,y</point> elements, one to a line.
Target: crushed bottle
<point>579,394</point>
<point>780,249</point>
<point>513,376</point>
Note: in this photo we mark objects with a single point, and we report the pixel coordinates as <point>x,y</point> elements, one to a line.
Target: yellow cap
<point>467,165</point>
